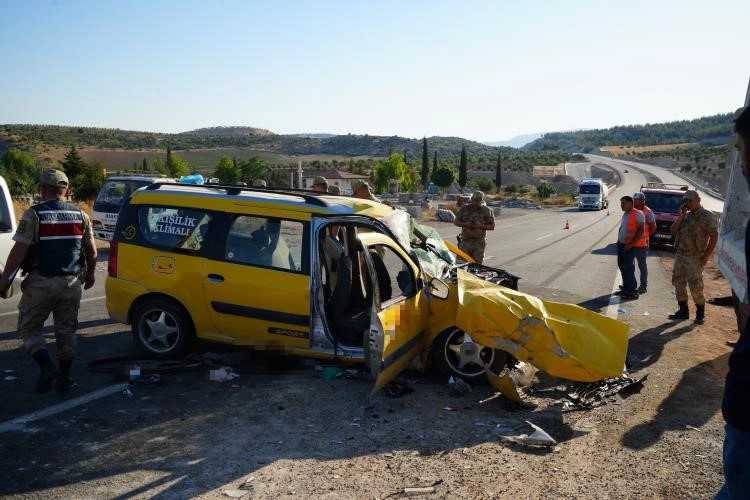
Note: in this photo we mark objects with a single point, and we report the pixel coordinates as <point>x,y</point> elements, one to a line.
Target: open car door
<point>400,311</point>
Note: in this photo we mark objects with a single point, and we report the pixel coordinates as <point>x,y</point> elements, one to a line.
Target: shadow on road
<point>679,408</point>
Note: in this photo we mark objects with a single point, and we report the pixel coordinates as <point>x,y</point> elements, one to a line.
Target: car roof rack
<point>234,189</point>
<point>136,173</point>
<point>662,185</point>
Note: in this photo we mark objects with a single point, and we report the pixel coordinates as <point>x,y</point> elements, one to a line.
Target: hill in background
<point>706,131</point>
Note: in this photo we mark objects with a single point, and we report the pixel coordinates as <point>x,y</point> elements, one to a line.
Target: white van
<point>593,194</point>
<point>7,227</point>
<point>113,193</point>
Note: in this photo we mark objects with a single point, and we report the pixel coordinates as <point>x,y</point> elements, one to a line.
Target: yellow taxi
<point>333,277</point>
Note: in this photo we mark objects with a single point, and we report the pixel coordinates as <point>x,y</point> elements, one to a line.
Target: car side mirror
<point>439,289</point>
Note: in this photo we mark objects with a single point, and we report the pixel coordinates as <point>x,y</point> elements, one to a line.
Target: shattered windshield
<point>423,242</point>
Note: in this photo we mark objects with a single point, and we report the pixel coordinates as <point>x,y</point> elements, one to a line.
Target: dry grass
<point>19,207</point>
<point>622,150</point>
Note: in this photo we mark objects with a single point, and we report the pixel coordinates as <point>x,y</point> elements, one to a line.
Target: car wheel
<point>455,354</point>
<point>162,328</point>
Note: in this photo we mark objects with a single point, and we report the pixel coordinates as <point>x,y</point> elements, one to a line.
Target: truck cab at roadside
<point>665,200</point>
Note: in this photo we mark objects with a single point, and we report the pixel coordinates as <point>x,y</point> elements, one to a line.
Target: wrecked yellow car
<point>333,277</point>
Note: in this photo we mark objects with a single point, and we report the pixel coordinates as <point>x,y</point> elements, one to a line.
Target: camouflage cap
<point>320,180</point>
<point>259,183</point>
<point>639,196</point>
<point>691,194</point>
<point>477,196</point>
<point>55,178</point>
<point>360,183</point>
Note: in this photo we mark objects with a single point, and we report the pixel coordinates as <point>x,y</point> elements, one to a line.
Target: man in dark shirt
<point>736,403</point>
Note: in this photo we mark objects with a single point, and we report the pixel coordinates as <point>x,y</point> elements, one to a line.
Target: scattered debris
<point>331,372</point>
<point>459,386</point>
<point>445,215</point>
<point>222,374</point>
<point>395,389</point>
<point>593,394</point>
<point>537,438</point>
<point>235,493</point>
<point>128,392</point>
<point>422,490</point>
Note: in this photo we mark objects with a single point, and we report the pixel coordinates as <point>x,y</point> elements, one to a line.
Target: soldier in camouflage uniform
<point>474,219</point>
<point>55,246</point>
<point>696,233</point>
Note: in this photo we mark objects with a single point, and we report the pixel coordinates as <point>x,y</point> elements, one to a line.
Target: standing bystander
<point>736,402</point>
<point>320,184</point>
<point>362,190</point>
<point>475,219</point>
<point>631,236</point>
<point>55,246</point>
<point>696,233</point>
<point>641,252</point>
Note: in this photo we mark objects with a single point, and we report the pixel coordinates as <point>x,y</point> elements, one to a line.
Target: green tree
<point>498,173</point>
<point>481,183</point>
<point>179,166</point>
<point>394,168</point>
<point>434,164</point>
<point>20,172</point>
<point>253,168</point>
<point>170,166</point>
<point>226,171</point>
<point>462,168</point>
<point>73,164</point>
<point>144,165</point>
<point>425,174</point>
<point>443,177</point>
<point>544,189</point>
<point>88,181</point>
<point>159,166</point>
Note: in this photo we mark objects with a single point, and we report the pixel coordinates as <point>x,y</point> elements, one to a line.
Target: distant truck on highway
<point>117,189</point>
<point>593,194</point>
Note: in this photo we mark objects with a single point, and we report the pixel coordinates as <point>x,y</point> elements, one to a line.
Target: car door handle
<point>215,278</point>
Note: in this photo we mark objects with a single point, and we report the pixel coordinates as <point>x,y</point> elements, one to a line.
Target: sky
<point>480,70</point>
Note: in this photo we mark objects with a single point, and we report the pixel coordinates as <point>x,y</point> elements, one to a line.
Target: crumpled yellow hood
<point>564,340</point>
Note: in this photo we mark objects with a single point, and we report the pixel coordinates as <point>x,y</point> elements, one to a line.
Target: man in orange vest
<point>632,235</point>
<point>641,253</point>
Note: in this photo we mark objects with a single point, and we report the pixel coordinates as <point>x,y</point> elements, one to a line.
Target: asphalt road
<point>576,265</point>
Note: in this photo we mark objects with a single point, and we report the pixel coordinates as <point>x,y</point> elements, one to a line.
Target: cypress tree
<point>425,163</point>
<point>498,173</point>
<point>462,168</point>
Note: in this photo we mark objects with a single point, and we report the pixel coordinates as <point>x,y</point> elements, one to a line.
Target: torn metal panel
<point>591,395</point>
<point>537,438</point>
<point>564,340</point>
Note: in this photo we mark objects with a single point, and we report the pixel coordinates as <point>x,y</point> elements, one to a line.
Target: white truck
<point>116,189</point>
<point>593,194</point>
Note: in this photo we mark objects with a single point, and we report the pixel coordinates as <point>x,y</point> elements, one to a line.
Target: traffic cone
<point>567,225</point>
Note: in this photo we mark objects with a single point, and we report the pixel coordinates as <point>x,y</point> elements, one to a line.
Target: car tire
<point>450,347</point>
<point>162,328</point>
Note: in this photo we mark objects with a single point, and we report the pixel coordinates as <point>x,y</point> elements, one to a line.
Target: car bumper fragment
<point>564,340</point>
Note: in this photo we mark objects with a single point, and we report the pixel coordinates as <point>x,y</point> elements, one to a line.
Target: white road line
<point>545,236</point>
<point>11,313</point>
<point>614,300</point>
<point>17,424</point>
<point>91,299</point>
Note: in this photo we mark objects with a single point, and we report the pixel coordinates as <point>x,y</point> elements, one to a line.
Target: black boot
<point>64,382</point>
<point>47,372</point>
<point>682,312</point>
<point>700,314</point>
